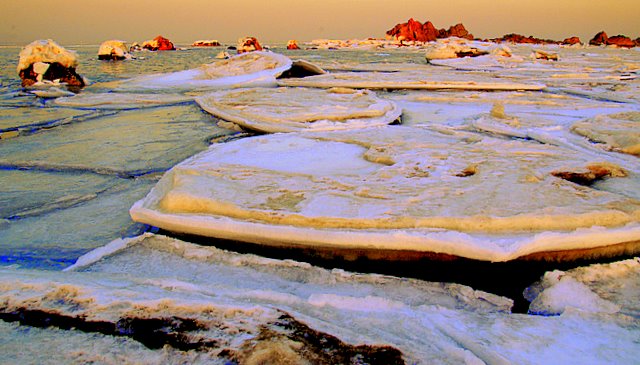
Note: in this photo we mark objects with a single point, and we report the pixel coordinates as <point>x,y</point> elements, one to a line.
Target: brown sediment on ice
<point>284,341</point>
<point>289,341</point>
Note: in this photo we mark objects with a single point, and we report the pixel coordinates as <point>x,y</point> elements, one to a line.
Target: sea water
<point>68,177</point>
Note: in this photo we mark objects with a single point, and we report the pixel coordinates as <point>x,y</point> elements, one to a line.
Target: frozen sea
<point>70,173</point>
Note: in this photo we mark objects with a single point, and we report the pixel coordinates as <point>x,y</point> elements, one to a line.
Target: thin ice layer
<point>119,100</point>
<point>251,69</point>
<point>299,109</point>
<point>406,80</point>
<point>396,188</point>
<point>128,142</point>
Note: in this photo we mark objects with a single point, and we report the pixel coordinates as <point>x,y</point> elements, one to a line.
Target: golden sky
<point>183,21</point>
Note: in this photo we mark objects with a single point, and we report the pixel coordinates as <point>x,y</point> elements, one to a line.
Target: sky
<point>183,21</point>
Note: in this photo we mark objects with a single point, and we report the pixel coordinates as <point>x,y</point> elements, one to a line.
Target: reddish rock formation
<point>413,30</point>
<point>518,38</point>
<point>621,41</point>
<point>637,42</point>
<point>571,41</point>
<point>459,31</point>
<point>292,44</point>
<point>206,43</point>
<point>159,43</point>
<point>599,39</point>
<point>248,44</point>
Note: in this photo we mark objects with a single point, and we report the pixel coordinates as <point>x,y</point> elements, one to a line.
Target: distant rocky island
<point>414,31</point>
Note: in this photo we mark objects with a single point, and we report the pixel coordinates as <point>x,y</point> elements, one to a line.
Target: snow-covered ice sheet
<point>251,69</point>
<point>300,109</point>
<point>229,306</point>
<point>397,188</point>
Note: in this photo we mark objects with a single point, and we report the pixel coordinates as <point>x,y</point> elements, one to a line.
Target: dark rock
<point>621,41</point>
<point>599,39</point>
<point>571,41</point>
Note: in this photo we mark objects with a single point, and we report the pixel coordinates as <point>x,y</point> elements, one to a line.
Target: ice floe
<point>87,100</point>
<point>299,109</point>
<point>619,132</point>
<point>395,188</point>
<point>256,308</point>
<point>251,69</point>
<point>404,80</point>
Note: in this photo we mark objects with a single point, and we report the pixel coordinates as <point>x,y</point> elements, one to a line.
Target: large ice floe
<point>400,189</point>
<point>258,69</point>
<point>220,307</point>
<point>299,109</point>
<point>405,80</point>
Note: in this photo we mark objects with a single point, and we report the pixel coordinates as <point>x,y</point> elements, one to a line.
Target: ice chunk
<point>299,109</point>
<point>415,194</point>
<point>563,291</point>
<point>608,288</point>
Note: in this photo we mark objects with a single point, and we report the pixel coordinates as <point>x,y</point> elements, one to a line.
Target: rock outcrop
<point>46,61</point>
<point>599,39</point>
<point>292,44</point>
<point>206,43</point>
<point>113,50</point>
<point>248,44</point>
<point>159,43</point>
<point>413,30</point>
<point>571,41</point>
<point>621,41</point>
<point>519,38</point>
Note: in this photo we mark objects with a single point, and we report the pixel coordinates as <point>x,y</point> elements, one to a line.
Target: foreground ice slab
<point>399,189</point>
<point>405,80</point>
<point>252,69</point>
<point>299,109</point>
<point>160,300</point>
